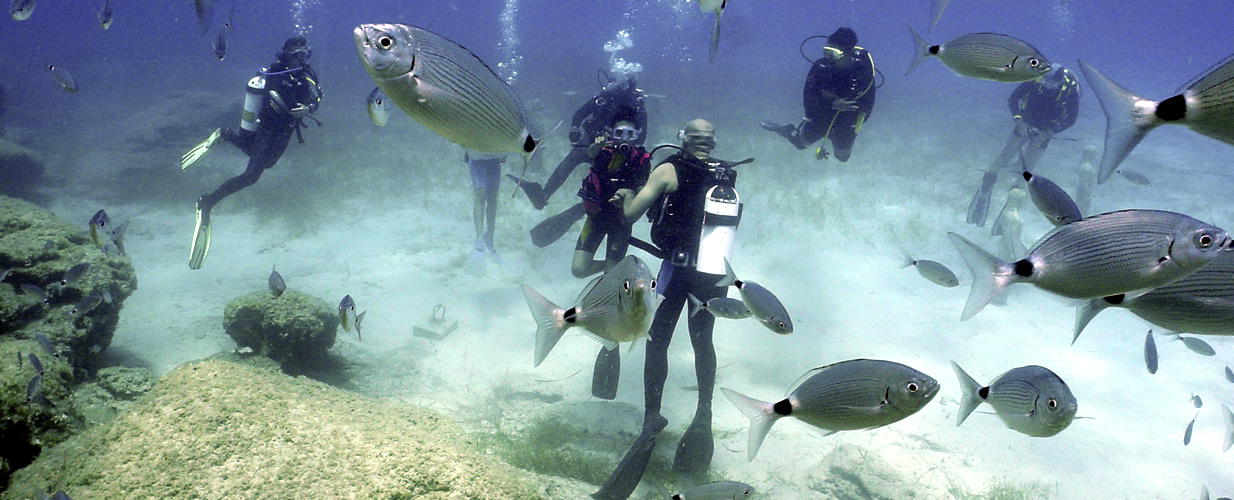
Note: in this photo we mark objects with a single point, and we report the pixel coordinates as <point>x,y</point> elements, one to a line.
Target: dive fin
<point>553,228</point>
<point>201,239</point>
<point>200,150</point>
<point>606,374</point>
<point>630,470</point>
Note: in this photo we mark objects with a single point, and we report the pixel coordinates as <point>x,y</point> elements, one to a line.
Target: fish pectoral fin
<point>867,409</point>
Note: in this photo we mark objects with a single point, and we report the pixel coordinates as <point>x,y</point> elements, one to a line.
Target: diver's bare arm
<point>662,180</point>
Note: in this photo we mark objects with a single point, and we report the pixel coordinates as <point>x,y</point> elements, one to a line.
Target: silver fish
<point>1229,374</point>
<point>1196,401</point>
<point>205,14</point>
<point>1134,177</point>
<point>85,305</point>
<point>46,345</point>
<point>763,304</point>
<point>34,363</point>
<point>615,307</point>
<point>720,307</point>
<point>1201,302</point>
<point>220,42</point>
<point>849,395</point>
<point>933,271</point>
<point>36,292</point>
<point>1197,346</point>
<point>1102,255</point>
<point>21,10</point>
<point>1228,418</point>
<point>1150,353</point>
<point>278,286</point>
<point>1051,200</point>
<point>105,15</point>
<point>64,78</point>
<point>1187,433</point>
<point>445,87</point>
<point>716,7</point>
<point>100,223</point>
<point>717,490</point>
<point>378,108</point>
<point>986,56</point>
<point>1031,400</point>
<point>347,316</point>
<point>1203,107</point>
<point>74,273</point>
<point>32,387</point>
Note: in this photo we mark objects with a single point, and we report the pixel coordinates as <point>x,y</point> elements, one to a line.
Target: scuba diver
<point>1040,108</point>
<point>485,171</point>
<point>276,102</point>
<point>616,163</point>
<point>838,97</point>
<point>619,98</point>
<point>693,204</point>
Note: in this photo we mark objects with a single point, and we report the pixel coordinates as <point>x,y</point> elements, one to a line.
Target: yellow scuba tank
<point>721,214</point>
<point>254,99</point>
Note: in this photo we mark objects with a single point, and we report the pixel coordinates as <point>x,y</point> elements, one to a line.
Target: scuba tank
<point>721,214</point>
<point>254,98</point>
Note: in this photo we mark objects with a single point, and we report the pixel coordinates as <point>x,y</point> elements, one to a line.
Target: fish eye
<point>913,387</point>
<point>385,41</point>
<point>626,285</point>
<point>1051,403</point>
<point>653,284</point>
<point>1204,240</point>
<point>1033,62</point>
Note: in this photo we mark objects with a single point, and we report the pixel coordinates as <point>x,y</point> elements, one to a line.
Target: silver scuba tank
<point>254,99</point>
<point>721,214</point>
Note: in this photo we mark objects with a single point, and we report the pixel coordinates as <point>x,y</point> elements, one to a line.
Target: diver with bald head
<point>692,202</point>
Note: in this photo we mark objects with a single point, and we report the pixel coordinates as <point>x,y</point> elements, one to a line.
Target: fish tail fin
<point>359,319</point>
<point>549,327</point>
<point>1122,132</point>
<point>989,275</point>
<point>972,396</point>
<point>1085,312</point>
<point>530,146</point>
<point>920,50</point>
<point>695,304</point>
<point>908,260</point>
<point>715,40</point>
<point>729,278</point>
<point>936,12</point>
<point>1228,418</point>
<point>761,415</point>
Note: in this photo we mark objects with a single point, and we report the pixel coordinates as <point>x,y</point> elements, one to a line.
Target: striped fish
<point>615,307</point>
<point>1200,303</point>
<point>844,396</point>
<point>1205,106</point>
<point>985,56</point>
<point>1031,400</point>
<point>445,87</point>
<point>1106,254</point>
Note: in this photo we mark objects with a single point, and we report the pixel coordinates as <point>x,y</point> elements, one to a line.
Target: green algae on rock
<point>294,328</point>
<point>216,429</point>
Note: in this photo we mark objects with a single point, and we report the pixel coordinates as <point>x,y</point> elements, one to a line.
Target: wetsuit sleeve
<point>812,94</point>
<point>583,122</point>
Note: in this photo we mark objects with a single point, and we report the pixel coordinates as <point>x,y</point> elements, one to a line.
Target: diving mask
<point>625,133</point>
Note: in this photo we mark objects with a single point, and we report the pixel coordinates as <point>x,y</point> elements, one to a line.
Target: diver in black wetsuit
<point>838,97</point>
<point>592,120</point>
<point>679,188</point>
<point>279,99</point>
<point>1040,108</point>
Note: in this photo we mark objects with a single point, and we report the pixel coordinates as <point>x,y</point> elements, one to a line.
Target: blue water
<point>827,234</point>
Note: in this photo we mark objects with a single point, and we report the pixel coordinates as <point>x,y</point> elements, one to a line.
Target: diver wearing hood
<point>276,101</point>
<point>680,193</point>
<point>1040,108</point>
<point>620,99</point>
<point>838,97</point>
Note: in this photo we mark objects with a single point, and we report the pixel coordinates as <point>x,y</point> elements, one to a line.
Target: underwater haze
<point>384,214</point>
